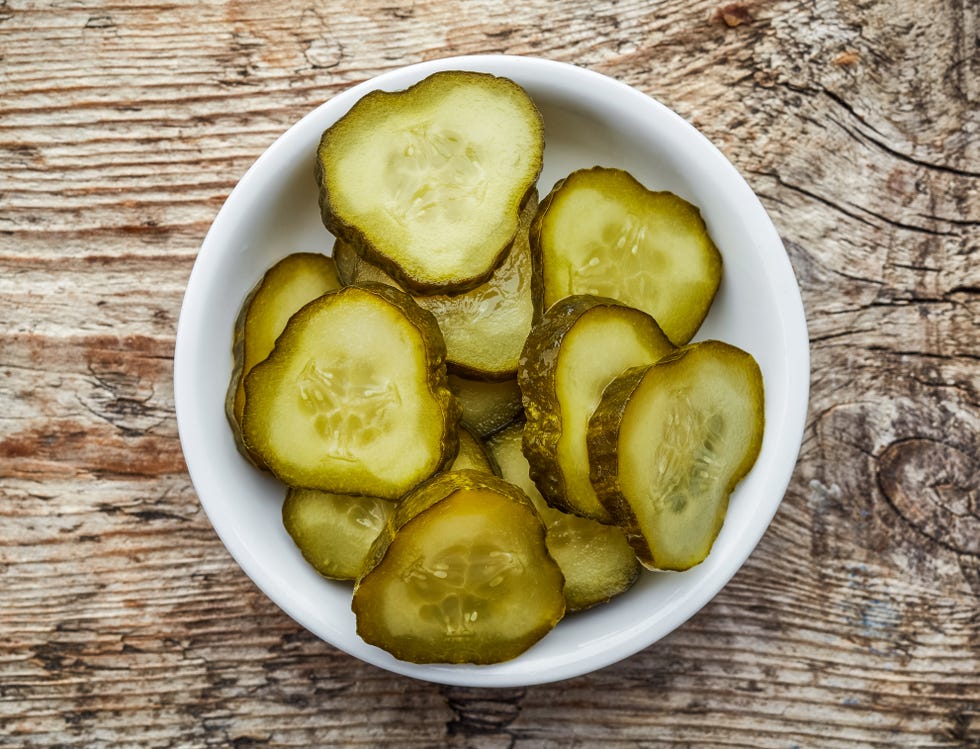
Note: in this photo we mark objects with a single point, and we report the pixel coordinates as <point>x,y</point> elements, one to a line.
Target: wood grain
<point>125,623</point>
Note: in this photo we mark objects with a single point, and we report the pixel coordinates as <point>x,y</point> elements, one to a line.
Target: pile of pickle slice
<point>487,412</point>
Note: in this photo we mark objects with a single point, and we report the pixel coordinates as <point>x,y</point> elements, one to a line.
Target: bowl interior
<point>589,120</point>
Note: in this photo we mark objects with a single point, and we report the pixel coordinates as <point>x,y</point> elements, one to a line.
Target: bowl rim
<point>796,347</point>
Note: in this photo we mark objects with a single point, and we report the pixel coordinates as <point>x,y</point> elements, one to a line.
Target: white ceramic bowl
<point>589,119</point>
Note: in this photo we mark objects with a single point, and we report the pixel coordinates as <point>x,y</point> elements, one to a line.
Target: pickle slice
<point>353,398</point>
<point>669,442</point>
<point>596,560</point>
<point>487,406</point>
<point>601,232</point>
<point>485,327</point>
<point>473,454</point>
<point>581,344</point>
<point>335,532</point>
<point>285,287</point>
<point>464,578</point>
<point>428,182</point>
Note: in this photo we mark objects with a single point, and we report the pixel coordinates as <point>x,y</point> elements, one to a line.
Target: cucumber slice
<point>353,398</point>
<point>464,578</point>
<point>285,287</point>
<point>580,346</point>
<point>428,182</point>
<point>668,444</point>
<point>335,532</point>
<point>601,232</point>
<point>485,327</point>
<point>487,406</point>
<point>596,560</point>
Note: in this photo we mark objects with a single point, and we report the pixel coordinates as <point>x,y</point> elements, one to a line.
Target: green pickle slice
<point>485,327</point>
<point>286,286</point>
<point>596,560</point>
<point>429,182</point>
<point>335,532</point>
<point>465,576</point>
<point>601,232</point>
<point>353,398</point>
<point>580,346</point>
<point>668,444</point>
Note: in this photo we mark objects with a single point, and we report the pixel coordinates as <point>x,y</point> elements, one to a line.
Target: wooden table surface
<point>123,620</point>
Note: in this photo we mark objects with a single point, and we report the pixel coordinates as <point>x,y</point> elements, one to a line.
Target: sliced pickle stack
<point>478,406</point>
<point>464,575</point>
<point>582,343</point>
<point>484,327</point>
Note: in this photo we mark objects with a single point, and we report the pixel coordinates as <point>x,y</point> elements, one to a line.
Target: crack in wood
<point>483,716</point>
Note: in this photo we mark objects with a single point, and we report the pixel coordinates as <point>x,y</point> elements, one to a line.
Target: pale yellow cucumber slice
<point>429,182</point>
<point>579,347</point>
<point>464,578</point>
<point>596,560</point>
<point>485,327</point>
<point>601,232</point>
<point>353,398</point>
<point>285,287</point>
<point>335,532</point>
<point>669,442</point>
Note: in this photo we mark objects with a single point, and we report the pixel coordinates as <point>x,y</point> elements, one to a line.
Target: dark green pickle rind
<point>435,367</point>
<point>354,235</point>
<point>603,438</point>
<point>238,365</point>
<point>537,260</point>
